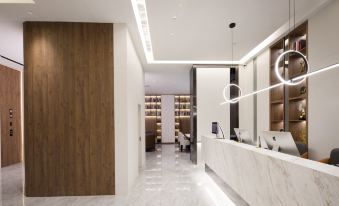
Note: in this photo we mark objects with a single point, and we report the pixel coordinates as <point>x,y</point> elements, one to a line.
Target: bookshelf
<point>277,103</point>
<point>298,95</point>
<point>289,104</point>
<point>153,116</point>
<point>182,113</point>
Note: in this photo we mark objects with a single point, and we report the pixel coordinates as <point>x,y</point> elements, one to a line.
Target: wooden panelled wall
<point>69,115</point>
<point>10,114</point>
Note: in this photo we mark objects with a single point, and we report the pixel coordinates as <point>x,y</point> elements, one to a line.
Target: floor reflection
<point>168,179</point>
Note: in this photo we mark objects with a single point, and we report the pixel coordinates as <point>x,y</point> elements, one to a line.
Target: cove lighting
<point>140,13</point>
<point>17,2</point>
<point>301,77</point>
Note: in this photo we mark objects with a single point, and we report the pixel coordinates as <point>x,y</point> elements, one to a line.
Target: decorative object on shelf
<point>302,90</point>
<point>302,136</point>
<point>302,112</point>
<point>302,66</point>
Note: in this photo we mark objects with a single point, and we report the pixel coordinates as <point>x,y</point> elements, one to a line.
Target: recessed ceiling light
<point>17,2</point>
<point>171,34</point>
<point>174,17</point>
<point>30,12</point>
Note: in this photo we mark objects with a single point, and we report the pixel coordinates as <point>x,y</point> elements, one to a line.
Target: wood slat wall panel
<point>11,151</point>
<point>69,116</point>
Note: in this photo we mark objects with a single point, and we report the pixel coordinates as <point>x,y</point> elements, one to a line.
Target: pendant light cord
<point>289,24</point>
<point>294,13</point>
<point>232,43</point>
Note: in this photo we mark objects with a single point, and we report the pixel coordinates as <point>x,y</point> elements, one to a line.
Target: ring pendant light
<point>294,81</point>
<point>234,100</point>
<point>228,86</point>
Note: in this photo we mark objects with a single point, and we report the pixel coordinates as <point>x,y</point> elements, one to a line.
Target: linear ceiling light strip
<point>140,13</point>
<point>334,66</point>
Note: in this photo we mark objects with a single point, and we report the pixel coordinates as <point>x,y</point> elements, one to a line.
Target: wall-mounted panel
<point>69,109</point>
<point>10,114</point>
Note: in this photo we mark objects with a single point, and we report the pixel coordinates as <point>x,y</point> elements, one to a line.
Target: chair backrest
<point>180,136</point>
<point>334,157</point>
<point>302,147</point>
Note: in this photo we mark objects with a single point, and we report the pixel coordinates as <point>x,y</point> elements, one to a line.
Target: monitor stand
<point>275,148</point>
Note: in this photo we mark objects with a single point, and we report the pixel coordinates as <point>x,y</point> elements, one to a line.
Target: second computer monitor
<point>281,140</point>
<point>244,136</point>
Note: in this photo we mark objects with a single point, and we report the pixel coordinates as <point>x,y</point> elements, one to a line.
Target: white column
<point>167,119</point>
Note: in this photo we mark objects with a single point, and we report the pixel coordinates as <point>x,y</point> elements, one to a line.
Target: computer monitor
<point>281,141</point>
<point>243,136</point>
<point>215,128</point>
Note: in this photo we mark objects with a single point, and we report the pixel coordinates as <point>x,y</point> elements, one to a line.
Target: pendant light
<point>295,80</point>
<point>229,86</point>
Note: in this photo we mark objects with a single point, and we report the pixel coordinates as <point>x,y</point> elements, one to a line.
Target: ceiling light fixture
<point>328,68</point>
<point>144,32</point>
<point>293,81</point>
<point>17,2</point>
<point>140,13</point>
<point>228,86</point>
<point>234,100</point>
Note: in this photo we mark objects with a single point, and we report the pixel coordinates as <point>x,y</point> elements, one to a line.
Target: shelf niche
<point>182,114</point>
<point>289,104</point>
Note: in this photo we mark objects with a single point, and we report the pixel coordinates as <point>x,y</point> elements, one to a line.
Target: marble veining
<point>262,177</point>
<point>169,179</point>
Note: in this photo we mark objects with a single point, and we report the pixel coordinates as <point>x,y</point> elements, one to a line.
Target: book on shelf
<point>299,44</point>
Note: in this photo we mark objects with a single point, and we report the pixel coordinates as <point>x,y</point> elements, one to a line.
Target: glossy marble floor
<point>168,179</point>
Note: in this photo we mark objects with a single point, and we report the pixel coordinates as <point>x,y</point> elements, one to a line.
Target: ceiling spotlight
<point>174,17</point>
<point>30,12</point>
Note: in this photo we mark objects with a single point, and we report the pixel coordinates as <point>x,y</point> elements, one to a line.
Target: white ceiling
<point>199,31</point>
<point>109,11</point>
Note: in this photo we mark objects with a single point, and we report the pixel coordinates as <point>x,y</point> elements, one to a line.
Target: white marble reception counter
<point>263,177</point>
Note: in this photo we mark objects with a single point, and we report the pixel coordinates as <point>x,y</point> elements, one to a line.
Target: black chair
<point>334,157</point>
<point>302,148</point>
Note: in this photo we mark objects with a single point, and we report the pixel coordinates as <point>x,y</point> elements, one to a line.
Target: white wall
<point>167,80</point>
<point>263,81</point>
<point>11,43</point>
<point>128,94</point>
<point>167,119</point>
<point>246,105</point>
<point>210,85</point>
<point>323,33</point>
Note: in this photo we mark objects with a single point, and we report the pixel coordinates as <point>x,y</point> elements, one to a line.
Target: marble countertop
<point>321,167</point>
<point>265,177</point>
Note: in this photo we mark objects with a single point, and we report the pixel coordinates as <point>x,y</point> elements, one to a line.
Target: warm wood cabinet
<point>289,104</point>
<point>69,109</point>
<point>10,116</point>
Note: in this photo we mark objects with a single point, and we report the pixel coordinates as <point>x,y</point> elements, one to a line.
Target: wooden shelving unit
<point>298,95</point>
<point>289,104</point>
<point>277,103</point>
<point>153,116</point>
<point>182,114</point>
